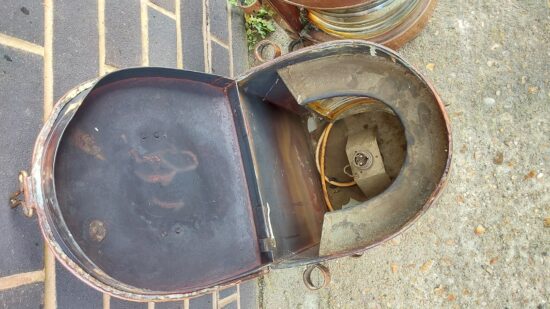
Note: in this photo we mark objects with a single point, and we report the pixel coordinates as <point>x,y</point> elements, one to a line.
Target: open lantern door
<point>155,184</point>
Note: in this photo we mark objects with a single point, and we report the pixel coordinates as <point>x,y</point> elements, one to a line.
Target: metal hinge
<point>267,244</point>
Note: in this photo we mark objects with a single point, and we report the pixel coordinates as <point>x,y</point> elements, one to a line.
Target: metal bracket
<point>21,196</point>
<point>366,162</point>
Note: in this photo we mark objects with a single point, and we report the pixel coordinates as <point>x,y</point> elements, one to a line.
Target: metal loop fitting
<point>296,44</point>
<point>17,198</point>
<point>259,50</point>
<point>308,280</point>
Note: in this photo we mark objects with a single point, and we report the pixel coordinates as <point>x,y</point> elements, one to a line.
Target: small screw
<point>363,160</point>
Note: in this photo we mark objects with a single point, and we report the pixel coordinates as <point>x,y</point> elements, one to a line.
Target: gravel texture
<point>485,243</point>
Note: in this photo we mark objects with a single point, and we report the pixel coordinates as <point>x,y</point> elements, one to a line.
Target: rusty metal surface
<point>388,22</point>
<point>90,215</point>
